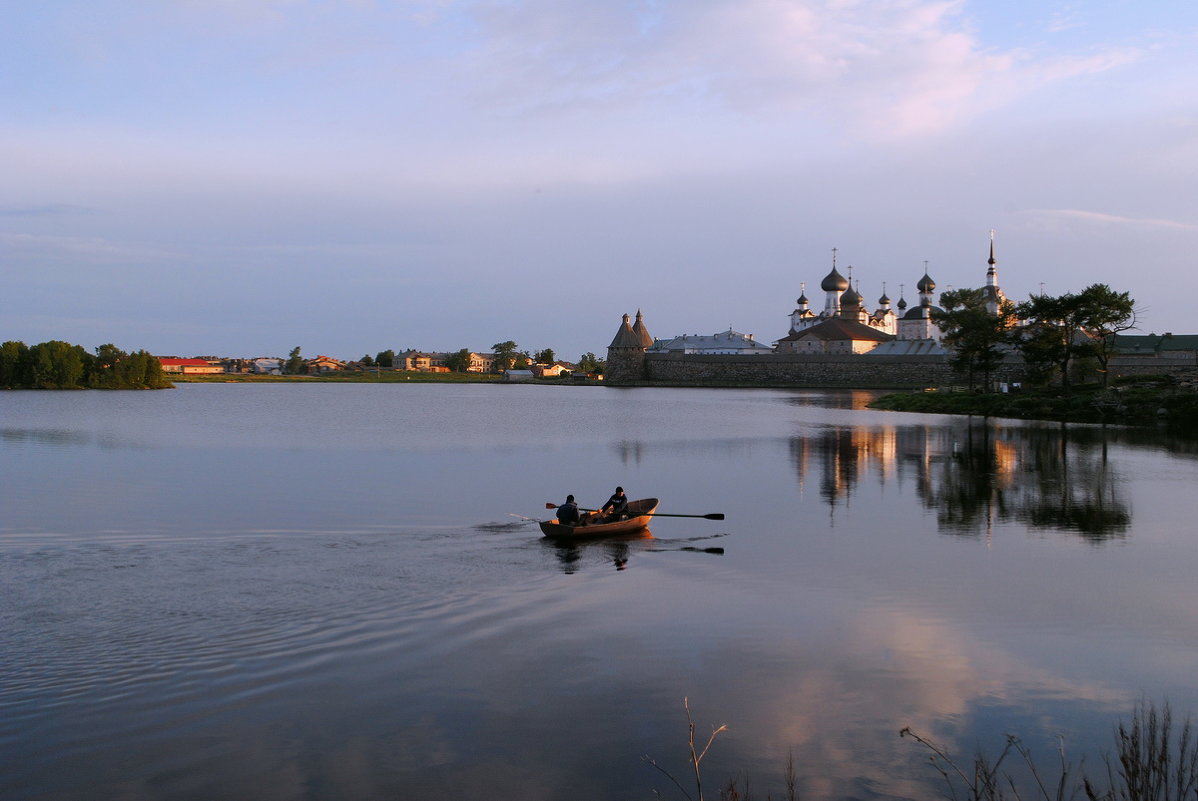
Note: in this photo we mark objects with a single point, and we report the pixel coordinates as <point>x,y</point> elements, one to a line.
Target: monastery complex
<point>842,342</point>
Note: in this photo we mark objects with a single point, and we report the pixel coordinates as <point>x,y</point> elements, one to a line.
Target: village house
<point>420,362</point>
<point>266,365</point>
<point>432,362</point>
<point>189,366</point>
<point>323,364</point>
<point>552,370</point>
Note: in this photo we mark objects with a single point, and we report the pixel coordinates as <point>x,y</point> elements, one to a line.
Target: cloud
<point>45,210</point>
<point>92,250</point>
<point>872,70</point>
<point>1102,218</point>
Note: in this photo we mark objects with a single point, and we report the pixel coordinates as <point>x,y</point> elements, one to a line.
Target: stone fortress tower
<point>626,353</point>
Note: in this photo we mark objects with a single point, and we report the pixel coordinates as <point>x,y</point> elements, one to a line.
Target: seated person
<point>616,507</point>
<point>567,513</point>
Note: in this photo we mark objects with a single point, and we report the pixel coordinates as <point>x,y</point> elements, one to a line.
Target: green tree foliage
<point>458,361</point>
<point>58,365</point>
<point>14,365</point>
<point>505,355</point>
<point>367,361</point>
<point>522,360</point>
<point>546,356</point>
<point>976,338</point>
<point>294,363</point>
<point>140,370</point>
<point>385,358</point>
<point>1063,331</point>
<point>590,363</point>
<point>61,365</point>
<point>1105,314</point>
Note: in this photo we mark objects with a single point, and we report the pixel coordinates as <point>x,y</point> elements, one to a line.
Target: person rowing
<point>616,507</point>
<point>567,513</point>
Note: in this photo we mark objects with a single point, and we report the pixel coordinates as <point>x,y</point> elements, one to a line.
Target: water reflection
<point>976,474</point>
<point>49,436</point>
<point>614,551</point>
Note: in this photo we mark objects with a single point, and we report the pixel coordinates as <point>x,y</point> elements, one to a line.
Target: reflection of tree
<point>1074,486</point>
<point>976,474</point>
<point>970,490</point>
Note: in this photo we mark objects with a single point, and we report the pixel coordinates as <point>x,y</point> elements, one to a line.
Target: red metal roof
<point>182,362</point>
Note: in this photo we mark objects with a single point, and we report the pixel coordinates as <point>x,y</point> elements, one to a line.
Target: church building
<point>844,325</point>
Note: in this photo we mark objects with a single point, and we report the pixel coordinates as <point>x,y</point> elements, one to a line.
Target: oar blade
<point>712,516</point>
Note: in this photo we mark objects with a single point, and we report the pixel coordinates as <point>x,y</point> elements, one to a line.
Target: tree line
<point>61,365</point>
<point>1053,334</point>
<point>506,356</point>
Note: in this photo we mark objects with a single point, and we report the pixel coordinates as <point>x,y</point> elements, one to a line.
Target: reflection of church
<point>844,325</point>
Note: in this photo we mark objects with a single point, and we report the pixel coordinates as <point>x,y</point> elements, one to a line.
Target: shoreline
<point>1159,401</point>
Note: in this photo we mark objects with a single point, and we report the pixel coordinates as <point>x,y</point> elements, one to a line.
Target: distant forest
<point>61,365</point>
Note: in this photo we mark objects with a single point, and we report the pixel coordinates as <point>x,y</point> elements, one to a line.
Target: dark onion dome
<point>921,312</point>
<point>882,301</point>
<point>802,299</point>
<point>851,297</point>
<point>926,284</point>
<point>902,304</point>
<point>834,282</point>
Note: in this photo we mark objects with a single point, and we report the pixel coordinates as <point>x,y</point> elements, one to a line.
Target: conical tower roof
<point>625,337</point>
<point>643,333</point>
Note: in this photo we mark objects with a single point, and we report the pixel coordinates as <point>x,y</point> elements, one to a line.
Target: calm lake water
<point>326,592</point>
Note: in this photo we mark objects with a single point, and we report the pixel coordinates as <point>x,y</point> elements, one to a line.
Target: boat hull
<point>639,514</point>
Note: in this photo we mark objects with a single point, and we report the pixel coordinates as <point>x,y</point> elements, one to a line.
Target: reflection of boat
<point>639,513</point>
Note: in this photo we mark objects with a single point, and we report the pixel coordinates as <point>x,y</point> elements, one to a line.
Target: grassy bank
<point>364,377</point>
<point>1159,400</point>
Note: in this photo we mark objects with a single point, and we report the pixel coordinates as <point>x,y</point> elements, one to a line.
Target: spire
<point>992,272</point>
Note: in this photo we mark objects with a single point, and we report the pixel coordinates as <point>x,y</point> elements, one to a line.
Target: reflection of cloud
<point>842,706</point>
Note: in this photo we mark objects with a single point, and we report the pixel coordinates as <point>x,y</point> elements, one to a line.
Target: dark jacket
<point>617,503</point>
<point>567,512</point>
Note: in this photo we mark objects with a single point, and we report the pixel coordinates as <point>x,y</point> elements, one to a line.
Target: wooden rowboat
<point>639,513</point>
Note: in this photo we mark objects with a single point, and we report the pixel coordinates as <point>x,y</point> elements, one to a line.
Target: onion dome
<point>926,284</point>
<point>884,300</point>
<point>851,297</point>
<point>802,301</point>
<point>902,304</point>
<point>834,282</point>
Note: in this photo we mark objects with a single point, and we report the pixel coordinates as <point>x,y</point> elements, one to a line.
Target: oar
<point>712,516</point>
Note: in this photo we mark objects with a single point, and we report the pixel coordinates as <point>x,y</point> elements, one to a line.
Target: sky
<point>241,177</point>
